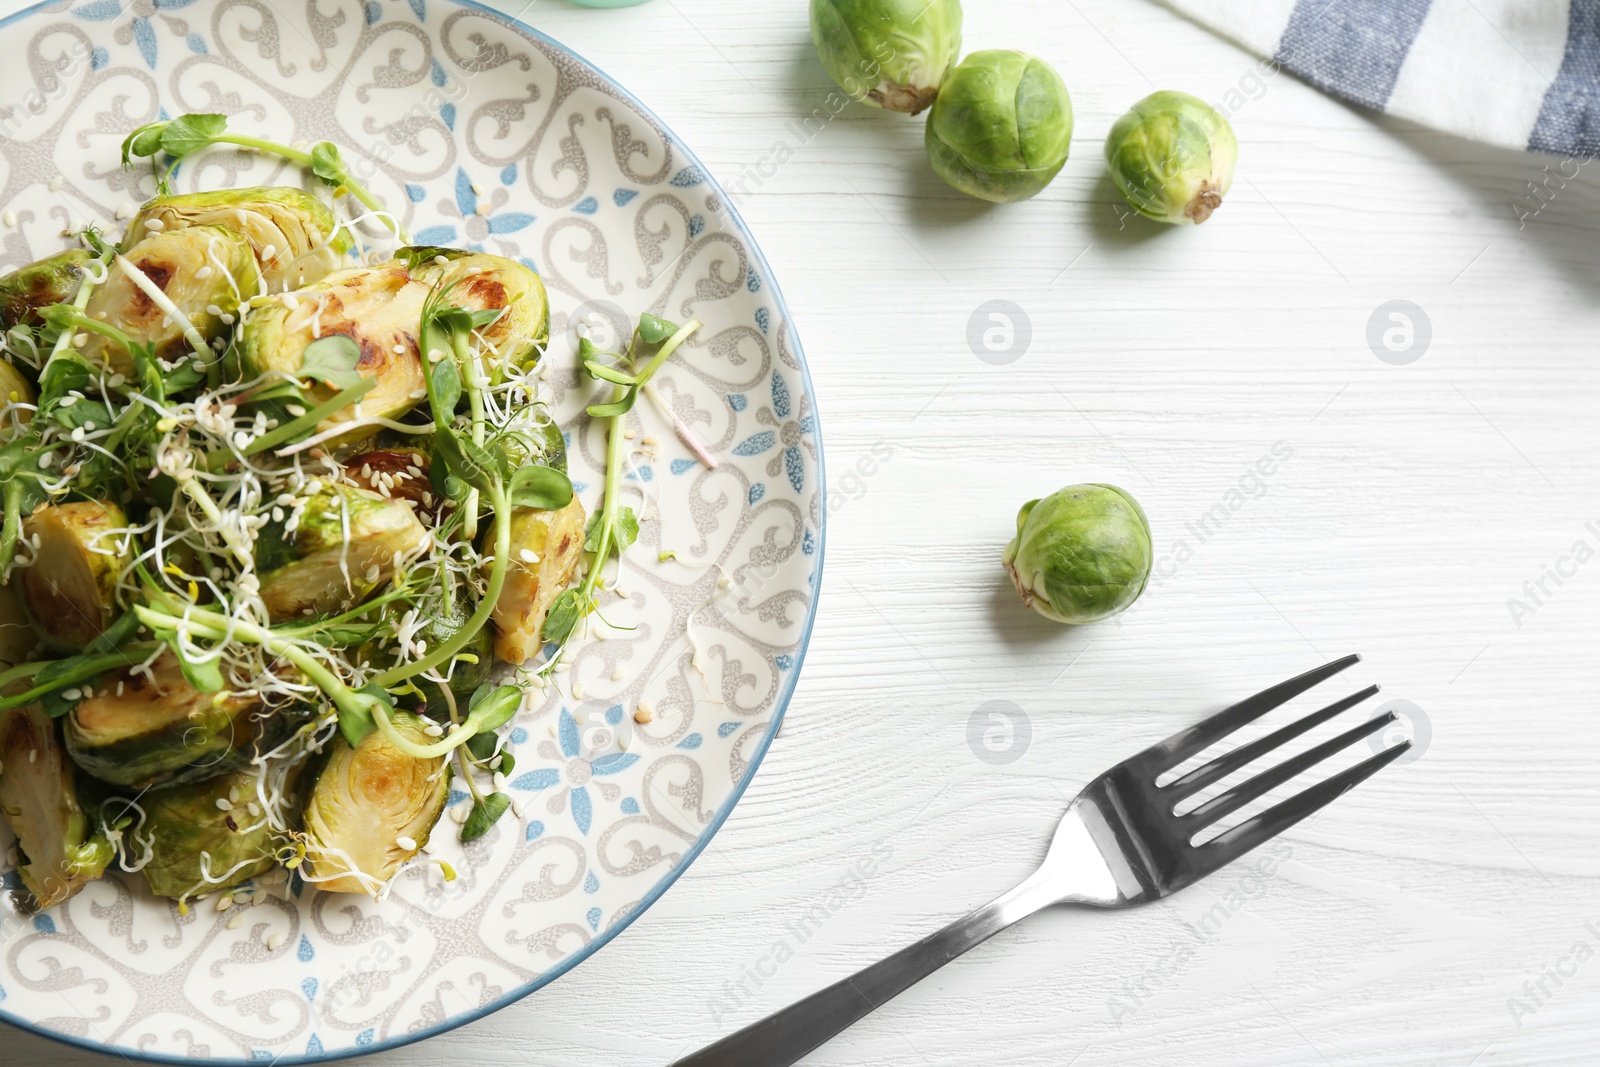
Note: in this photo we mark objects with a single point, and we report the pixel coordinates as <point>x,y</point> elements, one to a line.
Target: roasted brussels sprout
<point>554,543</point>
<point>1080,554</point>
<point>141,730</point>
<point>343,546</point>
<point>51,280</point>
<point>70,590</point>
<point>372,809</point>
<point>14,389</point>
<point>203,837</point>
<point>379,308</point>
<point>1172,157</point>
<point>17,639</point>
<point>402,473</point>
<point>1001,127</point>
<point>479,281</point>
<point>63,845</point>
<point>292,233</point>
<point>888,53</point>
<point>202,270</point>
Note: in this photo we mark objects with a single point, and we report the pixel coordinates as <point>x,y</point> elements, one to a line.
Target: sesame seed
<point>616,675</point>
<point>80,340</point>
<point>399,350</point>
<point>268,251</point>
<point>440,261</point>
<point>433,730</point>
<point>577,690</point>
<point>55,183</point>
<point>643,715</point>
<point>528,556</point>
<point>477,190</point>
<point>212,309</point>
<point>224,804</point>
<point>72,694</point>
<point>10,218</point>
<point>406,843</point>
<point>274,942</point>
<point>236,920</point>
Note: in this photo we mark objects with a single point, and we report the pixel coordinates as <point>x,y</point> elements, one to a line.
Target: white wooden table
<point>1448,912</point>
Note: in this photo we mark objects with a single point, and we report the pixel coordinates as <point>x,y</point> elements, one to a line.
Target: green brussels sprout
<point>1172,157</point>
<point>63,846</point>
<point>141,730</point>
<point>555,540</point>
<point>372,809</point>
<point>479,281</point>
<point>293,235</point>
<point>342,547</point>
<point>14,389</point>
<point>70,590</point>
<point>198,845</point>
<point>17,639</point>
<point>1001,127</point>
<point>888,53</point>
<point>379,308</point>
<point>1081,554</point>
<point>51,280</point>
<point>202,270</point>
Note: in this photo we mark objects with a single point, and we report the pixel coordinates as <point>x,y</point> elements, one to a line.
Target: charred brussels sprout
<point>479,281</point>
<point>198,845</point>
<point>341,547</point>
<point>888,53</point>
<point>1172,157</point>
<point>1001,127</point>
<point>379,308</point>
<point>141,730</point>
<point>372,809</point>
<point>62,845</point>
<point>1081,554</point>
<point>202,270</point>
<point>292,234</point>
<point>401,472</point>
<point>51,280</point>
<point>70,591</point>
<point>554,541</point>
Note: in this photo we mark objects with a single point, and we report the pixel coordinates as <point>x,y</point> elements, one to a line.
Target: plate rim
<point>780,705</point>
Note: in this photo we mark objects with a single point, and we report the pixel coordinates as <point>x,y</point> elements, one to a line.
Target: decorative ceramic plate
<point>479,132</point>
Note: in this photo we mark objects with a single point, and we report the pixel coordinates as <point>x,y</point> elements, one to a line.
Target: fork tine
<point>1230,845</point>
<point>1185,743</point>
<point>1244,755</point>
<point>1224,804</point>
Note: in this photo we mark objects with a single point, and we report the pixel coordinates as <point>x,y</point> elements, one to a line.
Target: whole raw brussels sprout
<point>372,808</point>
<point>1001,127</point>
<point>1081,554</point>
<point>888,53</point>
<point>1172,157</point>
<point>292,234</point>
<point>70,590</point>
<point>199,846</point>
<point>51,280</point>
<point>63,847</point>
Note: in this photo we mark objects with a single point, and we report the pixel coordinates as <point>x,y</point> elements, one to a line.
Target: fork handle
<point>786,1035</point>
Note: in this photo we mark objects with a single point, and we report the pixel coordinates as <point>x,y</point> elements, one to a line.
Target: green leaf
<point>206,676</point>
<point>652,331</point>
<point>113,637</point>
<point>145,141</point>
<point>481,746</point>
<point>604,373</point>
<point>565,613</point>
<point>190,133</point>
<point>355,716</point>
<point>615,407</point>
<point>626,531</point>
<point>540,487</point>
<point>485,317</point>
<point>327,164</point>
<point>485,813</point>
<point>508,763</point>
<point>446,381</point>
<point>333,360</point>
<point>55,705</point>
<point>467,461</point>
<point>496,709</point>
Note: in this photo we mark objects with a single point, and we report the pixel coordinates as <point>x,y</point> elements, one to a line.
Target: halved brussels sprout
<point>51,280</point>
<point>554,540</point>
<point>17,639</point>
<point>14,389</point>
<point>343,547</point>
<point>199,845</point>
<point>203,270</point>
<point>70,591</point>
<point>479,281</point>
<point>400,473</point>
<point>292,233</point>
<point>379,308</point>
<point>63,846</point>
<point>142,730</point>
<point>372,809</point>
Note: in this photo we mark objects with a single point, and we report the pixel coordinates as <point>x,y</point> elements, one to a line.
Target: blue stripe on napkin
<point>1569,121</point>
<point>1354,48</point>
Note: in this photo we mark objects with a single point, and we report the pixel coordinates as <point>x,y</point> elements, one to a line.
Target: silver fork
<point>1119,844</point>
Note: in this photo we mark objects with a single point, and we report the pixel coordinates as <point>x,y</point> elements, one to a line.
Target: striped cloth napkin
<point>1518,73</point>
